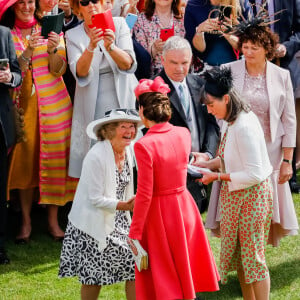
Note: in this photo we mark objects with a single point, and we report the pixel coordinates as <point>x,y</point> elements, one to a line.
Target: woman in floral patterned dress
<point>246,192</point>
<point>159,14</point>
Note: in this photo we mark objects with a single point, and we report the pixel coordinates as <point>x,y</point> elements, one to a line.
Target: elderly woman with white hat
<point>95,245</point>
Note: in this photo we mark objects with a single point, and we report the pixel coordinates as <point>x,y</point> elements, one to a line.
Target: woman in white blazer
<point>246,190</point>
<point>268,89</point>
<point>103,64</point>
<point>95,245</point>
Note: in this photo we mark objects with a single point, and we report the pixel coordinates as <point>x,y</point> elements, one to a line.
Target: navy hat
<point>218,81</point>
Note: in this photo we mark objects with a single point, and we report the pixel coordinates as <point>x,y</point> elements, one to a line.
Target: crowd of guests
<point>217,90</point>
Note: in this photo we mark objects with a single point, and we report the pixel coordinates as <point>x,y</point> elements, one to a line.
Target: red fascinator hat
<point>4,5</point>
<point>147,86</point>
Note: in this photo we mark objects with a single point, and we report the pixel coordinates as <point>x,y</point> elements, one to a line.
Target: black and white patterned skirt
<point>81,257</point>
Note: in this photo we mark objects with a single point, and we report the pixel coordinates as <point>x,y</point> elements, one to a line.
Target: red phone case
<point>103,21</point>
<point>166,33</point>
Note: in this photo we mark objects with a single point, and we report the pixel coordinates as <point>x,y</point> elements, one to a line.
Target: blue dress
<point>218,51</point>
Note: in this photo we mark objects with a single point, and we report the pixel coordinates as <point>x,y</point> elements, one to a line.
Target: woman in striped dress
<point>41,160</point>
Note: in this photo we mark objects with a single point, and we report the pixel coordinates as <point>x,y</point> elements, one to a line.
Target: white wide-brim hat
<point>114,115</point>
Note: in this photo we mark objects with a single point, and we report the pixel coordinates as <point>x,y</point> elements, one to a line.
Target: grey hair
<point>176,43</point>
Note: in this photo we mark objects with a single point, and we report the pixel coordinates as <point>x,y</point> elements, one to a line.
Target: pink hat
<point>4,5</point>
<point>147,85</point>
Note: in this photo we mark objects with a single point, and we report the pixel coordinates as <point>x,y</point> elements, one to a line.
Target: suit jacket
<point>282,106</point>
<point>7,50</point>
<point>245,153</point>
<point>288,27</point>
<point>208,128</point>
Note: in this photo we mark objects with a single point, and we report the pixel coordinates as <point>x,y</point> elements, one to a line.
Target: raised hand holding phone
<point>34,40</point>
<point>95,35</point>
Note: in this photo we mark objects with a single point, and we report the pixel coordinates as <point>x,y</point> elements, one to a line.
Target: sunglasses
<point>87,2</point>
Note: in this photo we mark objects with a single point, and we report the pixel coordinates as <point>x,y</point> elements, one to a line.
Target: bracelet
<point>199,32</point>
<point>26,59</point>
<point>89,50</point>
<point>219,176</point>
<point>289,161</point>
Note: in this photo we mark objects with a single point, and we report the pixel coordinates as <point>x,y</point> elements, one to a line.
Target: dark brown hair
<point>156,106</point>
<point>234,106</point>
<point>261,36</point>
<point>150,7</point>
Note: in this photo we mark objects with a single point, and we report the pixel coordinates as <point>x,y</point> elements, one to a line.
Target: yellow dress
<point>43,159</point>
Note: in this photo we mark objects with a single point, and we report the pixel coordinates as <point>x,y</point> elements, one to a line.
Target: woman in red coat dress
<point>166,220</point>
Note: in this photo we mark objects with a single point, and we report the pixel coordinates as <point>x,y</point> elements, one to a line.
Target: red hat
<point>148,85</point>
<point>4,5</point>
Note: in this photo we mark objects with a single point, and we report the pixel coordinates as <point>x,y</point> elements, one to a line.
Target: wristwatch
<point>111,47</point>
<point>289,161</point>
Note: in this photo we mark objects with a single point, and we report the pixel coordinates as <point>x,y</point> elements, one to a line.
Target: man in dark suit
<point>187,111</point>
<point>10,77</point>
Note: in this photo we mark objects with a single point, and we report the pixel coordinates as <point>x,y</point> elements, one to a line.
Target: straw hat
<point>114,115</point>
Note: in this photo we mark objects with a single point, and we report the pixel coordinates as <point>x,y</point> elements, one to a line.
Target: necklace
<point>119,159</point>
<point>165,21</point>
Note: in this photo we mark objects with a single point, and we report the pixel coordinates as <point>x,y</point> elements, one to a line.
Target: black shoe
<point>3,257</point>
<point>295,187</point>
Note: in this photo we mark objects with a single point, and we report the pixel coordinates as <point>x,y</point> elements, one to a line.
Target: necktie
<point>184,100</point>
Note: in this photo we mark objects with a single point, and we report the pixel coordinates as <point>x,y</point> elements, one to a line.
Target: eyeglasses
<point>122,111</point>
<point>87,2</point>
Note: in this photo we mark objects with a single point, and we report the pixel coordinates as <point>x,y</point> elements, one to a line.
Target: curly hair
<point>150,7</point>
<point>261,36</point>
<point>156,106</point>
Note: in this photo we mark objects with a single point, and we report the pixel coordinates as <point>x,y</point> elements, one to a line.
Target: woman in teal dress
<point>244,168</point>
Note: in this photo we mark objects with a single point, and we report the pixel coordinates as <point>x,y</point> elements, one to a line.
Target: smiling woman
<point>95,246</point>
<point>47,117</point>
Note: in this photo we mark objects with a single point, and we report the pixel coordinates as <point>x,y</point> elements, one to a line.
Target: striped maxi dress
<point>54,114</point>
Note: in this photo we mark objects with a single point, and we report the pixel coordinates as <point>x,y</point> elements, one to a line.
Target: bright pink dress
<point>167,222</point>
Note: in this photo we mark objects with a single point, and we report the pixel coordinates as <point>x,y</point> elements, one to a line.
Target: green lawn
<point>32,273</point>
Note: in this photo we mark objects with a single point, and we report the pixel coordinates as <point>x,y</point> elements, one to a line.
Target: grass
<point>32,273</point>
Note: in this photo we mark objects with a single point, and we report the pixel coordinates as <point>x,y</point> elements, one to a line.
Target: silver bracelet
<point>26,59</point>
<point>89,50</point>
<point>219,176</point>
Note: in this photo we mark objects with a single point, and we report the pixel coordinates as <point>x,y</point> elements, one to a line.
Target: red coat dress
<point>167,222</point>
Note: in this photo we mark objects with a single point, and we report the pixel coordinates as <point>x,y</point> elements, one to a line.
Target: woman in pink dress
<point>166,220</point>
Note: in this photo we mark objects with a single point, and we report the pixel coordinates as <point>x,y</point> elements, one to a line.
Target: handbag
<point>19,119</point>
<point>139,254</point>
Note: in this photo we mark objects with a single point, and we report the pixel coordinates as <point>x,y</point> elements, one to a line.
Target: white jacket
<point>245,154</point>
<point>94,206</point>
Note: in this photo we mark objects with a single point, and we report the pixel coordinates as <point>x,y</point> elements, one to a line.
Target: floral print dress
<point>147,32</point>
<point>245,223</point>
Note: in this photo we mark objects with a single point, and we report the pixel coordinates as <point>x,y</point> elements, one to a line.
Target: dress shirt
<point>192,114</point>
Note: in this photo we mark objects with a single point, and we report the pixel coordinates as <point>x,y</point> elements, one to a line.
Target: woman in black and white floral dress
<point>95,246</point>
